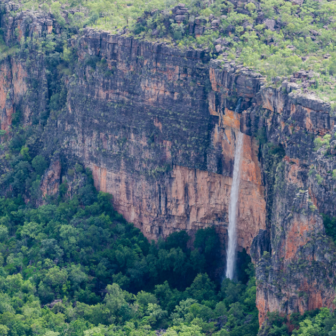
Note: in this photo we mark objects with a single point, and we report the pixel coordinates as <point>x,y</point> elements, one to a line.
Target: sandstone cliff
<point>157,126</point>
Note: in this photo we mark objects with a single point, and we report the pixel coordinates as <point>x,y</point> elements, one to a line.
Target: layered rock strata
<point>298,273</point>
<point>157,126</point>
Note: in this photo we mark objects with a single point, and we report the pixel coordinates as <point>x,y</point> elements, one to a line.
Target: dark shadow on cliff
<point>244,267</point>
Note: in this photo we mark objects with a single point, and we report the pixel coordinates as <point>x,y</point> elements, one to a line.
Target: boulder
<point>199,30</point>
<point>52,304</point>
<point>261,17</point>
<point>243,11</point>
<point>180,7</point>
<point>314,32</point>
<point>182,11</point>
<point>218,48</point>
<point>269,24</point>
<point>200,21</point>
<point>215,23</point>
<point>230,29</point>
<point>180,18</point>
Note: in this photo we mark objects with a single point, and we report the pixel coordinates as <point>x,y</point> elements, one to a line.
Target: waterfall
<point>233,207</point>
<point>238,106</point>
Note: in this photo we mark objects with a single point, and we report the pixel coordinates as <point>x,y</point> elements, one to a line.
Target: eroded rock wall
<point>298,274</point>
<point>156,141</point>
<point>157,126</point>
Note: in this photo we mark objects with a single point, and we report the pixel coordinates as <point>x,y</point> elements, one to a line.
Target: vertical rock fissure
<point>233,206</point>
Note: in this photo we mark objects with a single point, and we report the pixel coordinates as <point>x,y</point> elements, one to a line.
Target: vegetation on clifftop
<point>73,266</point>
<point>276,38</point>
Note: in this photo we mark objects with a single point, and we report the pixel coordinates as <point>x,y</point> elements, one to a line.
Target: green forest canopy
<point>76,267</point>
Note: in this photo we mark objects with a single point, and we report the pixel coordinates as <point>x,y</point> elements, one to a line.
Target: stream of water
<point>233,209</point>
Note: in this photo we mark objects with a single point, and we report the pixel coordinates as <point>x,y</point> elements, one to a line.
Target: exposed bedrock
<point>167,161</point>
<point>298,273</point>
<point>157,126</point>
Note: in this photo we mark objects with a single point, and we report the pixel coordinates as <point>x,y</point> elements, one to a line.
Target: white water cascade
<point>233,207</point>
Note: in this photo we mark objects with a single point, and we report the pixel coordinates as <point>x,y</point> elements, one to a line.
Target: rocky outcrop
<point>137,114</point>
<point>157,127</point>
<point>298,273</point>
<point>166,160</point>
<point>51,179</point>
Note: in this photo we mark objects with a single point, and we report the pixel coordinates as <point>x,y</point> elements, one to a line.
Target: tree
<point>208,243</point>
<point>184,330</point>
<point>39,164</point>
<point>4,330</point>
<point>3,233</point>
<point>202,289</point>
<point>177,240</point>
<point>116,303</point>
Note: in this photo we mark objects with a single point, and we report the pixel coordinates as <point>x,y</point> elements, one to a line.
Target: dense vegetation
<point>74,266</point>
<point>71,265</point>
<point>81,253</point>
<point>330,226</point>
<point>319,322</point>
<point>277,38</point>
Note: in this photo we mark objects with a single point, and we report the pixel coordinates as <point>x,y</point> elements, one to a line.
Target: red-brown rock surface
<point>188,199</point>
<point>157,127</point>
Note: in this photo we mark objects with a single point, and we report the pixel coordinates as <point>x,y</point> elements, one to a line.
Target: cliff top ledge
<point>291,41</point>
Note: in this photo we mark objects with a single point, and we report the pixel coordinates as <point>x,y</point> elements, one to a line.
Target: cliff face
<point>157,126</point>
<point>298,275</point>
<point>151,141</point>
<point>151,122</point>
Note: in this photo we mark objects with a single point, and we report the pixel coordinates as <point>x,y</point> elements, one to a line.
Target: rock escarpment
<point>167,161</point>
<point>157,126</point>
<point>298,275</point>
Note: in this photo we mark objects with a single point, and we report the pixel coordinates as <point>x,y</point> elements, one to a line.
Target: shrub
<point>320,142</point>
<point>319,179</point>
<point>39,164</point>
